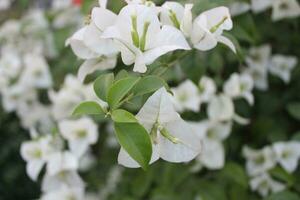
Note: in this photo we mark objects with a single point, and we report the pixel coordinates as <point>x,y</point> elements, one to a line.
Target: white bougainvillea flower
<point>177,15</point>
<point>36,153</point>
<point>221,108</point>
<point>207,88</point>
<point>260,5</point>
<point>238,8</point>
<point>186,96</point>
<point>70,179</point>
<point>212,135</point>
<point>264,184</point>
<point>87,43</point>
<point>80,134</point>
<point>65,193</point>
<point>60,162</point>
<point>36,72</point>
<point>282,66</point>
<point>14,96</point>
<point>140,37</point>
<point>240,86</point>
<point>285,9</point>
<point>208,28</point>
<point>173,139</point>
<point>287,154</point>
<point>257,62</point>
<point>259,161</point>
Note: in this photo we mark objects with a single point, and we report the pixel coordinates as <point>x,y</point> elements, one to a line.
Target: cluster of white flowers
<point>261,162</point>
<point>220,112</point>
<point>5,4</point>
<point>260,62</point>
<point>281,9</point>
<point>24,71</point>
<point>142,32</point>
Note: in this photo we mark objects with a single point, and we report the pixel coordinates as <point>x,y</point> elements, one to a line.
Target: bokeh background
<point>274,117</point>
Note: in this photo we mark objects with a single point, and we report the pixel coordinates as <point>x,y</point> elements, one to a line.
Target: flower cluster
<point>142,32</point>
<point>281,9</point>
<point>260,62</point>
<point>260,164</point>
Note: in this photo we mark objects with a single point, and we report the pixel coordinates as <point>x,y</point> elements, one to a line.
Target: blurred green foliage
<point>275,117</point>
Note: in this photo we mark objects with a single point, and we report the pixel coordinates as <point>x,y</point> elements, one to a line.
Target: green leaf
<point>88,108</point>
<point>119,90</point>
<point>123,116</point>
<point>294,110</point>
<point>102,84</point>
<point>296,136</point>
<point>136,141</point>
<point>280,174</point>
<point>285,195</point>
<point>122,74</point>
<point>234,173</point>
<point>148,84</point>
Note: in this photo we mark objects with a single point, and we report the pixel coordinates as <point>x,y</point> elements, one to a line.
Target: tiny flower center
<point>165,133</point>
<point>260,160</point>
<point>284,6</point>
<point>139,42</point>
<point>81,133</point>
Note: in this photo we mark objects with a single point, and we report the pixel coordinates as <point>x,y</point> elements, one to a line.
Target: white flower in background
<point>177,15</point>
<point>5,4</point>
<point>285,9</point>
<point>10,65</point>
<point>260,5</point>
<point>80,134</point>
<point>257,62</point>
<point>36,153</point>
<point>172,137</point>
<point>212,135</point>
<point>207,88</point>
<point>264,184</point>
<point>259,161</point>
<point>60,162</point>
<point>186,96</point>
<point>240,85</point>
<point>65,193</point>
<point>67,178</point>
<point>36,72</point>
<point>220,108</point>
<point>140,37</point>
<point>86,162</point>
<point>208,28</point>
<point>87,43</point>
<point>9,30</point>
<point>238,8</point>
<point>69,96</point>
<point>35,115</point>
<point>282,66</point>
<point>287,154</point>
<point>14,96</point>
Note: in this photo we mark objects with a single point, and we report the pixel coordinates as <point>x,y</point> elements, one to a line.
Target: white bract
<point>65,193</point>
<point>140,37</point>
<point>260,5</point>
<point>285,9</point>
<point>287,154</point>
<point>88,43</point>
<point>238,8</point>
<point>282,66</point>
<point>257,63</point>
<point>36,153</point>
<point>172,138</point>
<point>208,28</point>
<point>259,161</point>
<point>80,134</point>
<point>212,135</point>
<point>220,108</point>
<point>186,96</point>
<point>240,86</point>
<point>264,184</point>
<point>207,89</point>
